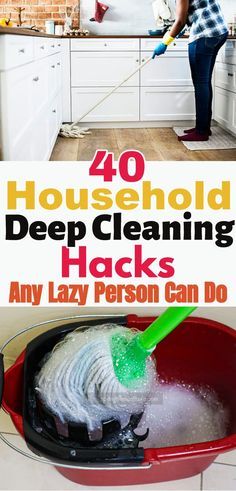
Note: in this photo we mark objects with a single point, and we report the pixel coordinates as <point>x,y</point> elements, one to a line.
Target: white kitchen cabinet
<point>170,70</point>
<point>227,53</point>
<point>225,76</point>
<point>149,44</point>
<point>54,118</point>
<point>31,99</point>
<point>15,51</point>
<point>16,102</point>
<point>225,87</point>
<point>105,44</point>
<point>225,109</point>
<point>167,103</point>
<point>123,105</point>
<point>66,81</point>
<point>103,69</point>
<point>161,91</point>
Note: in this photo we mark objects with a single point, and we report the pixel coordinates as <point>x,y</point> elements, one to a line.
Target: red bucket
<point>199,352</point>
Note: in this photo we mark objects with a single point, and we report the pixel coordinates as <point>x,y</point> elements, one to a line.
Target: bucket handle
<point>67,466</point>
<point>1,378</point>
<point>51,321</point>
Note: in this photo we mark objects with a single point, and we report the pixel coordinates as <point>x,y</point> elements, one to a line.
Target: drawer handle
<point>42,47</point>
<point>35,79</point>
<point>105,44</point>
<point>59,45</point>
<point>53,46</point>
<point>58,64</point>
<point>230,74</point>
<point>54,111</point>
<point>22,50</point>
<point>53,66</point>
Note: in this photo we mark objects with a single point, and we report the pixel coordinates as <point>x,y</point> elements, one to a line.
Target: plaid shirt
<point>206,19</point>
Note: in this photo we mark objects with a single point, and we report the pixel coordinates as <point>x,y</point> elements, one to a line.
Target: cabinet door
<point>123,105</point>
<point>40,87</point>
<point>170,70</point>
<point>105,44</point>
<point>227,53</point>
<point>225,76</point>
<point>225,109</point>
<point>149,44</point>
<point>54,118</point>
<point>167,103</point>
<point>16,102</point>
<point>54,70</point>
<point>15,51</point>
<point>102,69</point>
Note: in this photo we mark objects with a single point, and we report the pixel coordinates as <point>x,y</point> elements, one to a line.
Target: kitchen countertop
<point>25,32</point>
<point>28,32</point>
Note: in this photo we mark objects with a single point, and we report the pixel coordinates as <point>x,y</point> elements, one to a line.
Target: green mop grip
<point>163,325</point>
<point>129,359</point>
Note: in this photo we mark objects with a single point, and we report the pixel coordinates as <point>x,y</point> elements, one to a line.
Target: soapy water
<point>179,414</point>
<point>77,383</point>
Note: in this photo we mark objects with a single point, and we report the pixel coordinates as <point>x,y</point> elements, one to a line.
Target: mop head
<point>77,382</point>
<point>73,131</point>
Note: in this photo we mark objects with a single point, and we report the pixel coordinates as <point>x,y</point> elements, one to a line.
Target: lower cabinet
<point>169,103</point>
<point>106,69</point>
<point>31,108</point>
<point>36,140</point>
<point>225,108</point>
<point>123,105</point>
<point>161,91</point>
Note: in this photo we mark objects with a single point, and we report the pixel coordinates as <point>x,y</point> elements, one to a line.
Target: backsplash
<point>132,16</point>
<point>123,17</point>
<point>38,11</point>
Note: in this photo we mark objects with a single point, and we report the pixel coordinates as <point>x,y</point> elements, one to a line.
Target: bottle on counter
<point>50,26</point>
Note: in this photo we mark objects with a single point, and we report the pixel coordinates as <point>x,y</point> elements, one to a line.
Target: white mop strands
<point>74,130</point>
<point>77,382</point>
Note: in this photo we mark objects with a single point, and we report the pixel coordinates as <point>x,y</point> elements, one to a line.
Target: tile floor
<point>19,473</point>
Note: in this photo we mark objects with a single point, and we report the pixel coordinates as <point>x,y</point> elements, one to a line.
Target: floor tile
<point>6,426</point>
<point>30,475</point>
<point>227,458</point>
<point>219,478</point>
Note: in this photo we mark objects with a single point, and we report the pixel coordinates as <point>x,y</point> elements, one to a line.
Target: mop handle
<point>112,91</point>
<point>164,325</point>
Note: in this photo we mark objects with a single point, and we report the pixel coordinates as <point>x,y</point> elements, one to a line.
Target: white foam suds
<point>178,415</point>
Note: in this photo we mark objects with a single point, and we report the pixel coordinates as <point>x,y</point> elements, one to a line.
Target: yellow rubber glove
<point>161,48</point>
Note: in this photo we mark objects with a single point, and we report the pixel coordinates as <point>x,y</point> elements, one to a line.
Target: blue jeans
<point>202,57</point>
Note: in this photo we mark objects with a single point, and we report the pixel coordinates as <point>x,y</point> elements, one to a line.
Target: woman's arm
<point>182,7</point>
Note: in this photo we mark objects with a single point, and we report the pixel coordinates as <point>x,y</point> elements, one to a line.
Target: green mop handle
<point>163,325</point>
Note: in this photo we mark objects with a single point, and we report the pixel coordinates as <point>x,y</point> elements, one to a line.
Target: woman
<point>208,33</point>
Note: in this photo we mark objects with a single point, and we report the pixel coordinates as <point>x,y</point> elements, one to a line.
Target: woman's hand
<point>160,49</point>
<point>182,7</point>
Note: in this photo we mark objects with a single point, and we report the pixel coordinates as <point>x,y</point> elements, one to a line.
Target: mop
<point>105,372</point>
<point>74,130</point>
